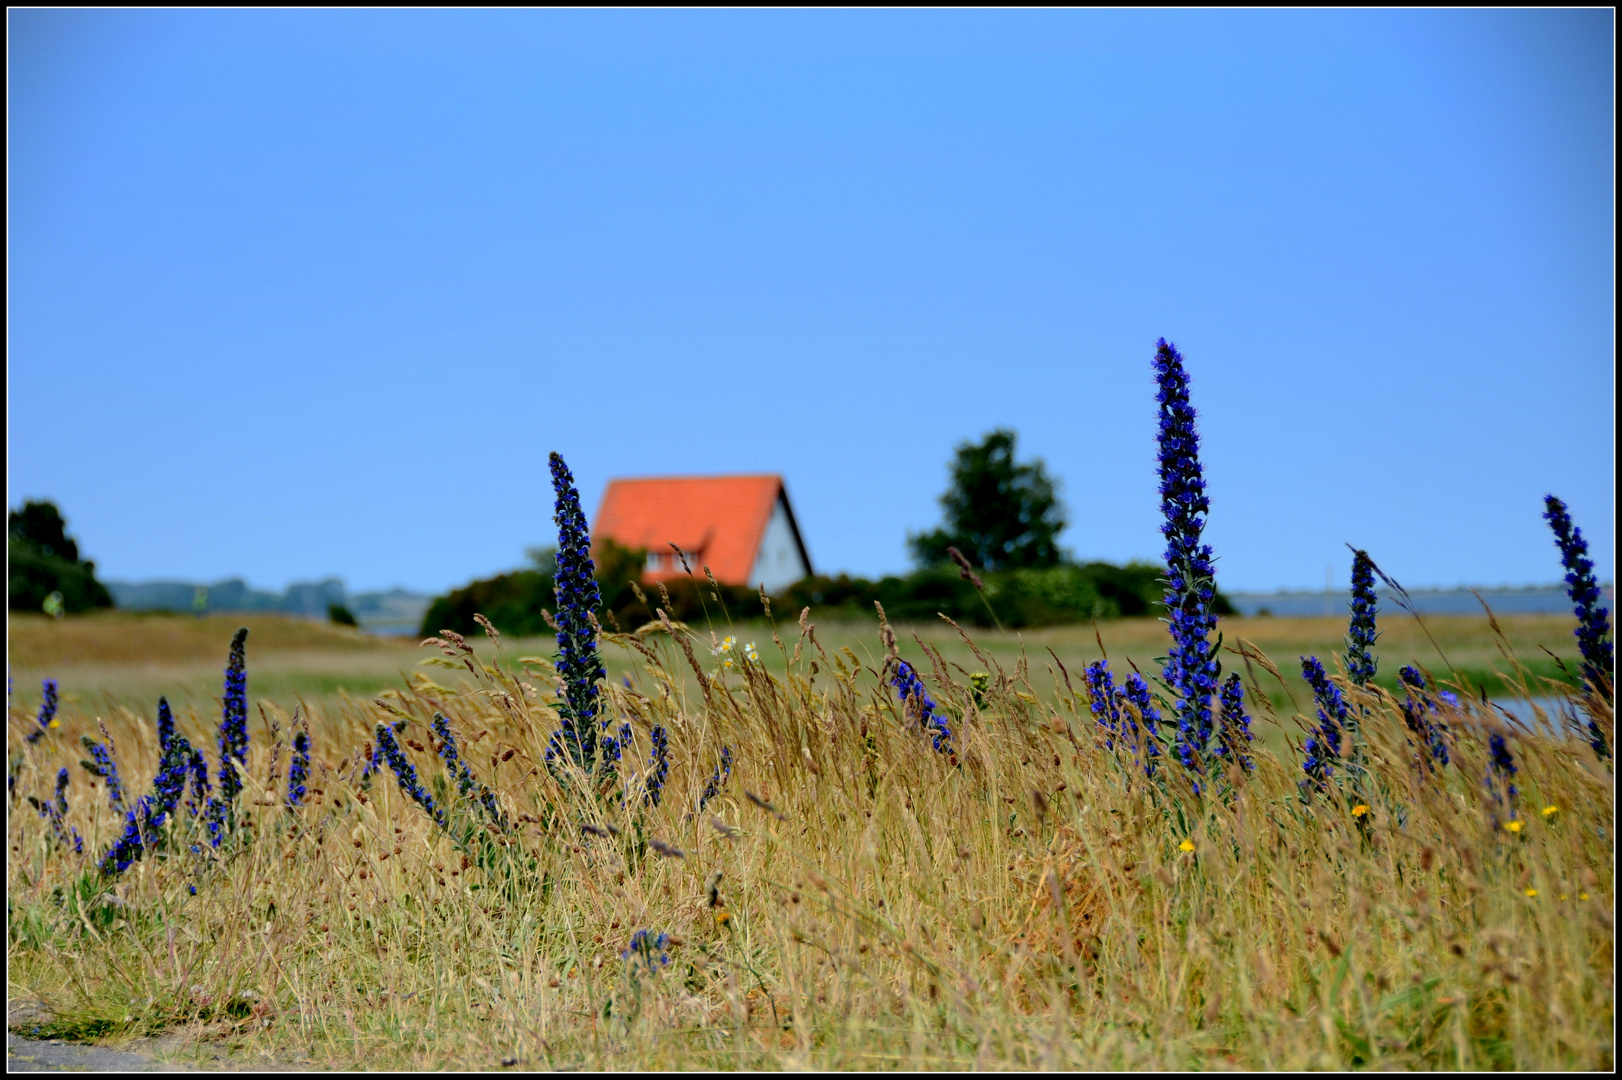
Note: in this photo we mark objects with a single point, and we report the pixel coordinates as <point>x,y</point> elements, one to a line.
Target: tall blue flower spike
<point>144,820</point>
<point>1191,668</point>
<point>915,700</point>
<point>1419,712</point>
<point>456,765</point>
<point>1235,735</point>
<point>298,771</point>
<point>102,764</point>
<point>1136,691</point>
<point>579,663</point>
<point>1593,619</point>
<point>54,810</point>
<point>718,779</point>
<point>1501,772</point>
<point>658,764</point>
<point>234,721</point>
<point>406,774</point>
<point>1361,634</point>
<point>1103,701</point>
<point>1323,747</point>
<point>47,711</point>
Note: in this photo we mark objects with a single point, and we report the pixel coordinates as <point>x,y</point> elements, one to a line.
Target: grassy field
<point>124,659</point>
<point>1031,900</point>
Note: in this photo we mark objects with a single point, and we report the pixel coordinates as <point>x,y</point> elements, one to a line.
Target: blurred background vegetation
<point>42,559</point>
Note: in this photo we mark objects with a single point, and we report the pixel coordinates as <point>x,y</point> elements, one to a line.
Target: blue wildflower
<point>405,773</point>
<point>1136,692</point>
<point>214,820</point>
<point>658,764</point>
<point>1104,700</point>
<point>920,707</point>
<point>47,711</point>
<point>129,846</point>
<point>1361,634</point>
<point>143,821</point>
<point>199,798</point>
<point>54,810</point>
<point>1501,770</point>
<point>1593,619</point>
<point>234,722</point>
<point>647,950</point>
<point>611,749</point>
<point>579,663</point>
<point>723,772</point>
<point>1418,710</point>
<point>1191,668</point>
<point>104,766</point>
<point>1323,747</point>
<point>456,765</point>
<point>298,771</point>
<point>1235,724</point>
<point>166,726</point>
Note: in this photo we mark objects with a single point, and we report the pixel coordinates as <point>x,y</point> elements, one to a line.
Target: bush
<point>512,602</point>
<point>339,615</point>
<point>1050,596</point>
<point>43,559</point>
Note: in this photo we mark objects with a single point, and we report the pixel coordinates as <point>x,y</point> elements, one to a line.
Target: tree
<point>1001,515</point>
<point>44,559</point>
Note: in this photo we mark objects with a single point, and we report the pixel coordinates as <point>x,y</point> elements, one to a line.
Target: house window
<point>655,561</point>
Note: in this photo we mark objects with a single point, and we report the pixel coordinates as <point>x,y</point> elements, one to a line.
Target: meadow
<point>771,844</point>
<point>1029,906</point>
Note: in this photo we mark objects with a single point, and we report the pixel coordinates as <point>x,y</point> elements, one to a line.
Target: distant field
<point>130,659</point>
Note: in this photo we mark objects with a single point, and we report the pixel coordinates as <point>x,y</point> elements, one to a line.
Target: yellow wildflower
<point>1549,810</point>
<point>722,918</point>
<point>1186,845</point>
<point>1531,892</point>
<point>1513,826</point>
<point>1359,810</point>
<point>1582,896</point>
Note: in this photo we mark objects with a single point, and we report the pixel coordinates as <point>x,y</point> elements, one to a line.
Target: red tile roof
<point>718,520</point>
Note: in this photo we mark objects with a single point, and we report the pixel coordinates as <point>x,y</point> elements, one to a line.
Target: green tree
<point>43,559</point>
<point>1000,514</point>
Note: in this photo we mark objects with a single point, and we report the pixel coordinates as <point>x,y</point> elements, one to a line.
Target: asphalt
<point>54,1055</point>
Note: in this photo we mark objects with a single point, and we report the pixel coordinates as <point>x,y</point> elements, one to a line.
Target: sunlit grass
<point>1033,907</point>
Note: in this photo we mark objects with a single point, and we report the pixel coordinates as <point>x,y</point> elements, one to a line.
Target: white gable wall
<point>778,563</point>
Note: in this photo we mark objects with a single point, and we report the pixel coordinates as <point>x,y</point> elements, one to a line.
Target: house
<point>741,527</point>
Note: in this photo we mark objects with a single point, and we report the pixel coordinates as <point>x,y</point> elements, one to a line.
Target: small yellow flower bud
<point>1186,845</point>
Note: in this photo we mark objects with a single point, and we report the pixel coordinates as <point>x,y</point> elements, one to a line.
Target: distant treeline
<point>234,594</point>
<point>515,602</point>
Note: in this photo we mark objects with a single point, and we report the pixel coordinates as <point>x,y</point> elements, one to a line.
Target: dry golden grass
<point>1031,905</point>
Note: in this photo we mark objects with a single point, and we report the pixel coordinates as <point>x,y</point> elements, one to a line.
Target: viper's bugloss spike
<point>579,663</point>
<point>1593,619</point>
<point>1191,668</point>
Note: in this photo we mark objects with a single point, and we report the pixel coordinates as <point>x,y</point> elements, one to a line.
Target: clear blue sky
<point>304,293</point>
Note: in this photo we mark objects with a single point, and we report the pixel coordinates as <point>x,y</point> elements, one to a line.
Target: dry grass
<point>1028,906</point>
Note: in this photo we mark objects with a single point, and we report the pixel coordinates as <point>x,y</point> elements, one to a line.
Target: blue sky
<point>304,293</point>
